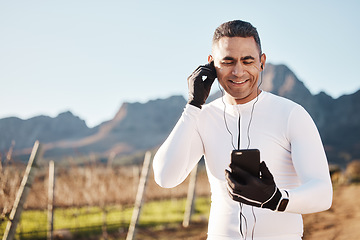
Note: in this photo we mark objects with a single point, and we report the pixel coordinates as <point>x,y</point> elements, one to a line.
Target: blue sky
<point>91,56</point>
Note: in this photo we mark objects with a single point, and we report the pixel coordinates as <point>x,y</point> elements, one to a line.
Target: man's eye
<point>227,63</point>
<point>248,63</point>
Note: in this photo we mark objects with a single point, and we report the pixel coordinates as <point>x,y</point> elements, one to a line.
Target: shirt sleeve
<point>310,163</point>
<point>180,152</point>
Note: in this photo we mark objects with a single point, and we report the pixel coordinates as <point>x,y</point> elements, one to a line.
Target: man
<point>294,172</point>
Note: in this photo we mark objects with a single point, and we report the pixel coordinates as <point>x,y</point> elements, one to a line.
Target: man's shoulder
<point>283,101</point>
<point>214,104</point>
<point>283,105</point>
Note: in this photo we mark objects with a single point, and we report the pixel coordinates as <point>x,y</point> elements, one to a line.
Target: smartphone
<point>248,160</point>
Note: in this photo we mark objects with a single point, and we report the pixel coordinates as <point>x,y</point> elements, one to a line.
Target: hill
<point>142,126</point>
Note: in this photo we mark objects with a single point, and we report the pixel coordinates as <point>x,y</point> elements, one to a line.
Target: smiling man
<point>238,63</point>
<point>291,171</point>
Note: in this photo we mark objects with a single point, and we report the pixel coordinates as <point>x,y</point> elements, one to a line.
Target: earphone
<point>242,216</point>
<point>251,115</point>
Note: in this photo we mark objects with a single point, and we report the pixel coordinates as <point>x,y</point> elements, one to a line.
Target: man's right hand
<point>199,87</point>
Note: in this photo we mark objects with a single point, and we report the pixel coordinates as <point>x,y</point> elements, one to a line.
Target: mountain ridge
<point>142,126</point>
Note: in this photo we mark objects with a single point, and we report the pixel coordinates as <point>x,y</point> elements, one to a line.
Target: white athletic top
<point>289,143</point>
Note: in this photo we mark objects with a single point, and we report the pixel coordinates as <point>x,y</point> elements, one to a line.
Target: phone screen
<point>248,160</point>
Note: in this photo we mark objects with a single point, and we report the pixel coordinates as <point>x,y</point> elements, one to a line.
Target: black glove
<point>199,89</point>
<point>248,189</point>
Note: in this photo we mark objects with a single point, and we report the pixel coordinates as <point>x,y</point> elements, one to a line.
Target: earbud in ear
<point>262,66</point>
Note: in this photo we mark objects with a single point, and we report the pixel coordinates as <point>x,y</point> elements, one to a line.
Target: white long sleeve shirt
<point>289,143</point>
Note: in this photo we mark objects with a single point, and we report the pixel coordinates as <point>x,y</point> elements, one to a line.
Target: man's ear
<point>262,61</point>
<point>210,59</point>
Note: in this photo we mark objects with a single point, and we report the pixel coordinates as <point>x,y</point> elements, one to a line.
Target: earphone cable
<point>252,109</point>
<point>239,131</point>
<point>242,216</point>
<point>226,125</point>
<point>253,229</point>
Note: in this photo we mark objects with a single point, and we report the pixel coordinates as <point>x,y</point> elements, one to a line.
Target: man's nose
<point>238,69</point>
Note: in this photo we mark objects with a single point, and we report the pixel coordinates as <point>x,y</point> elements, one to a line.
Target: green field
<point>86,221</point>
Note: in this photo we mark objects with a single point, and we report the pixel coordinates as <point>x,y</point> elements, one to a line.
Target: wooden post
<point>190,201</point>
<point>104,211</point>
<point>139,196</point>
<point>110,160</point>
<point>136,177</point>
<point>9,154</point>
<point>50,213</point>
<point>22,193</point>
<point>104,223</point>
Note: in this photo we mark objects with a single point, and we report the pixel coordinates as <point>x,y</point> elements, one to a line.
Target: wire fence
<point>91,199</point>
<point>71,223</point>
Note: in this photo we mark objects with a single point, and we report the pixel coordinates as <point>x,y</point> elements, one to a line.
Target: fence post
<point>104,211</point>
<point>22,193</point>
<point>136,177</point>
<point>8,155</point>
<point>190,200</point>
<point>10,152</point>
<point>50,213</point>
<point>110,160</point>
<point>104,223</point>
<point>139,196</point>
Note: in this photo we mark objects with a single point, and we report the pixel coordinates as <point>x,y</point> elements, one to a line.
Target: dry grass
<point>10,178</point>
<point>340,222</point>
<point>93,185</point>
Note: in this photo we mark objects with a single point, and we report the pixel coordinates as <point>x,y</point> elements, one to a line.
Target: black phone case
<point>248,160</point>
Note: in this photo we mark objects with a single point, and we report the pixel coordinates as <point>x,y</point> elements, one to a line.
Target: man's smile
<point>238,82</point>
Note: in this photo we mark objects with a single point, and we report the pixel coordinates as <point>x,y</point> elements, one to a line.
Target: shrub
<point>353,171</point>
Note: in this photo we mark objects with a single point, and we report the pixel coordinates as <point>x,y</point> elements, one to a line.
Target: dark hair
<point>236,28</point>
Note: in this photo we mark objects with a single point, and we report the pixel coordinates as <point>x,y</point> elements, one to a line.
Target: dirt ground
<point>340,222</point>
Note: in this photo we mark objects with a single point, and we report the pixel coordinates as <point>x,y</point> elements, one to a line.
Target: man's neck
<point>233,101</point>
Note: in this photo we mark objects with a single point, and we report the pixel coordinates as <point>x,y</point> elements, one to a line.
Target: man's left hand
<point>245,188</point>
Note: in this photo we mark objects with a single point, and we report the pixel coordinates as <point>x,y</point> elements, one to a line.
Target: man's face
<point>238,66</point>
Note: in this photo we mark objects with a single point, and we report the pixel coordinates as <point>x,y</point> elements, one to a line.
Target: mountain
<point>135,127</point>
<point>338,120</point>
<point>339,126</point>
<point>42,128</point>
<point>139,127</point>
